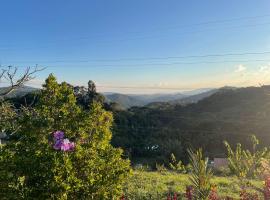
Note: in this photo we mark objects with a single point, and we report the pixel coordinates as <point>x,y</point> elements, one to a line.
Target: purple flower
<point>67,145</point>
<point>58,135</point>
<point>71,146</point>
<point>57,145</point>
<point>62,144</point>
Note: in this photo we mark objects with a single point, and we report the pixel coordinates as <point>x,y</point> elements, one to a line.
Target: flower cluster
<point>172,197</point>
<point>61,143</point>
<point>189,192</point>
<point>213,193</point>
<point>244,195</point>
<point>267,188</point>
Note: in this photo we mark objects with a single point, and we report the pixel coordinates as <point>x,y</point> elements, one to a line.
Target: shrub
<point>243,163</point>
<point>32,168</point>
<point>161,168</point>
<point>200,176</point>
<point>177,165</point>
<point>8,118</point>
<point>222,171</point>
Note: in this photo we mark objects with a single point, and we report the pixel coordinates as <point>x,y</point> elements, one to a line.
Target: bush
<point>177,165</point>
<point>32,167</point>
<point>245,163</point>
<point>201,175</point>
<point>161,168</point>
<point>222,171</point>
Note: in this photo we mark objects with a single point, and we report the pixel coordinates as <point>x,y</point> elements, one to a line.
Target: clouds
<point>265,69</point>
<point>240,68</point>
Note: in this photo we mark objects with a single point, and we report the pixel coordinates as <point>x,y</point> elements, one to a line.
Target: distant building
<point>220,162</point>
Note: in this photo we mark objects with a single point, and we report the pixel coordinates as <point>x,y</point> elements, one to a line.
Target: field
<point>156,185</point>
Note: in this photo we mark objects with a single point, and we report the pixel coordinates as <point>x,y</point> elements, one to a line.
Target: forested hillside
<point>153,133</point>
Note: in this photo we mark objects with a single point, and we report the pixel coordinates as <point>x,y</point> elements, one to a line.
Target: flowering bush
<point>244,195</point>
<point>189,192</point>
<point>213,194</point>
<point>266,191</point>
<point>173,196</point>
<point>34,166</point>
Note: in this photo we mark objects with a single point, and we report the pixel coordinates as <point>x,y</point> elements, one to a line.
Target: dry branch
<point>10,73</point>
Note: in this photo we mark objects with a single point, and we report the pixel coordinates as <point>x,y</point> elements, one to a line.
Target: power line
<point>181,26</point>
<point>160,64</point>
<point>148,58</point>
<point>220,21</point>
<point>126,39</point>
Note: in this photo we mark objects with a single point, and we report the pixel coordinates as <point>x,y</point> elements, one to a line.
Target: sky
<point>140,46</point>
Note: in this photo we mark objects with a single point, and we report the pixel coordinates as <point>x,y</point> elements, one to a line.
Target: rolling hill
<point>130,100</point>
<point>19,92</point>
<point>125,101</point>
<point>232,114</point>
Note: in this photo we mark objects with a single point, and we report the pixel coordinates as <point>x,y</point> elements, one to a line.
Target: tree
<point>91,87</point>
<point>8,114</point>
<point>35,168</point>
<point>10,75</point>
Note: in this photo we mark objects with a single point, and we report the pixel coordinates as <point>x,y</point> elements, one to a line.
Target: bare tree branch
<point>2,73</point>
<point>14,83</point>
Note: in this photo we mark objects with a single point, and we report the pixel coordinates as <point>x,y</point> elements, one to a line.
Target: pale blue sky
<point>117,43</point>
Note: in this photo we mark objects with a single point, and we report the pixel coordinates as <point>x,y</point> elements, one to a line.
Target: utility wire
<point>127,39</point>
<point>221,21</point>
<point>155,64</point>
<point>146,58</point>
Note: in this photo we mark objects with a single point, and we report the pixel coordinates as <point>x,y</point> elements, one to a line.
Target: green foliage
<point>201,175</point>
<point>229,114</point>
<point>154,185</point>
<point>245,163</point>
<point>177,165</point>
<point>8,117</point>
<point>140,167</point>
<point>161,168</point>
<point>31,168</point>
<point>222,171</point>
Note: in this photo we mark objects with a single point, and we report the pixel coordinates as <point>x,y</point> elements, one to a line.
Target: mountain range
<point>186,97</point>
<point>130,100</point>
<point>18,92</point>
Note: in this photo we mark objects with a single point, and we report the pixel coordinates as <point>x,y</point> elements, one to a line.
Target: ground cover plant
<point>155,185</point>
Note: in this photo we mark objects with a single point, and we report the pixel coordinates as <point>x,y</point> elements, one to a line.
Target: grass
<point>156,185</point>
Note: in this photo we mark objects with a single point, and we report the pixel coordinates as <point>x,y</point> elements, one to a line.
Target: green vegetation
<point>245,163</point>
<point>154,185</point>
<point>59,147</point>
<point>200,175</point>
<point>177,165</point>
<point>33,167</point>
<point>151,134</point>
